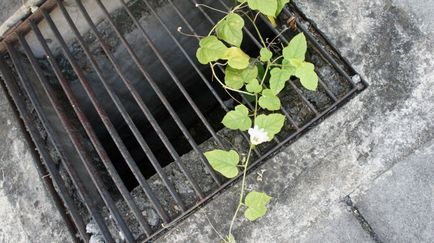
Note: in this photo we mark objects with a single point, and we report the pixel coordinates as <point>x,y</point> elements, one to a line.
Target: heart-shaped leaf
<point>224,162</point>
<point>238,119</point>
<point>307,75</point>
<point>267,7</point>
<point>266,54</point>
<point>278,78</point>
<point>211,49</point>
<point>269,100</point>
<point>235,78</point>
<point>253,86</point>
<point>230,29</point>
<point>280,5</point>
<point>296,48</point>
<point>236,58</point>
<point>272,124</point>
<point>256,203</point>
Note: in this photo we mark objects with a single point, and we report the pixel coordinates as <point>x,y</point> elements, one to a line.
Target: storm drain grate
<point>108,119</point>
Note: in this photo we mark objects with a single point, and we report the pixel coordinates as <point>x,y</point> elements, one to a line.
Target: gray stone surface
<point>400,203</point>
<point>27,213</point>
<point>347,152</point>
<point>342,227</point>
<point>9,8</point>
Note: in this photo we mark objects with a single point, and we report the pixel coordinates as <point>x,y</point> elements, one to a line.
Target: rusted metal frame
<point>76,141</point>
<point>166,66</point>
<point>121,107</point>
<point>60,195</point>
<point>24,27</point>
<point>223,105</point>
<point>259,45</point>
<point>91,133</point>
<point>298,91</point>
<point>145,110</point>
<point>321,50</point>
<point>88,200</point>
<point>153,86</point>
<point>108,124</point>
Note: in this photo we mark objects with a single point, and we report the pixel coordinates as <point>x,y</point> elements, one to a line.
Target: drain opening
<point>125,111</point>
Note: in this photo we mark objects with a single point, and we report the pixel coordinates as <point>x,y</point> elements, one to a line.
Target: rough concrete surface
<point>403,197</point>
<point>347,152</point>
<point>27,213</point>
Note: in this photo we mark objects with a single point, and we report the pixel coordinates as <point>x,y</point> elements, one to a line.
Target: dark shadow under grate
<point>122,113</point>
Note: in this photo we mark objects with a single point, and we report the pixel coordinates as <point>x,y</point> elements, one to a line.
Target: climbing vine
<point>260,79</point>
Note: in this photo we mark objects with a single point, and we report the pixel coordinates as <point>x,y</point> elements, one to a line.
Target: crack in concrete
<point>362,220</point>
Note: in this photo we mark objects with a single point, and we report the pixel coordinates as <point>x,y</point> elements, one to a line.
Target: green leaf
<point>289,66</point>
<point>278,78</point>
<point>236,58</point>
<point>266,54</point>
<point>269,100</point>
<point>267,7</point>
<point>211,49</point>
<point>238,119</point>
<point>307,75</point>
<point>296,48</point>
<point>280,5</point>
<point>224,162</point>
<point>235,78</point>
<point>256,203</point>
<point>230,29</point>
<point>272,124</point>
<point>253,86</point>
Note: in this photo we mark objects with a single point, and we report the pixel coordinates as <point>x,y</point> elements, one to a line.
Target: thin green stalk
<point>224,86</point>
<point>243,186</point>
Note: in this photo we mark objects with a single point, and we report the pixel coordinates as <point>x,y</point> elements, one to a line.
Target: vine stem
<point>224,86</point>
<point>243,187</point>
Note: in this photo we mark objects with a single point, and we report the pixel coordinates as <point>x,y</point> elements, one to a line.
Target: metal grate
<point>79,157</point>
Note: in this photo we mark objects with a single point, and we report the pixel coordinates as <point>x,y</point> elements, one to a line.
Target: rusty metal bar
<point>225,108</point>
<point>76,141</point>
<point>165,64</point>
<point>23,26</point>
<point>122,109</point>
<point>87,199</point>
<point>150,80</point>
<point>105,118</point>
<point>48,165</point>
<point>90,132</point>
